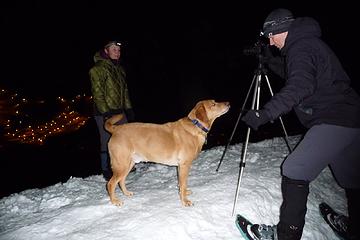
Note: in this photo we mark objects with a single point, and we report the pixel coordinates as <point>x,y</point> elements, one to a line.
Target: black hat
<point>278,21</point>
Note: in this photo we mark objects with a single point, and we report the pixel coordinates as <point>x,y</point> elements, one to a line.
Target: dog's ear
<point>200,114</point>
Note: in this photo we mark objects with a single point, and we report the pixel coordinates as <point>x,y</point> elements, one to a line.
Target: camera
<point>258,49</point>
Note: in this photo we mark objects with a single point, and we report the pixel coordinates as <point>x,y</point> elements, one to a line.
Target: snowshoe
<point>255,231</point>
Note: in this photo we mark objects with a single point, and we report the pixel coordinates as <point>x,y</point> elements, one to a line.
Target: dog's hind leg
<point>123,179</point>
<point>111,185</point>
<point>121,164</point>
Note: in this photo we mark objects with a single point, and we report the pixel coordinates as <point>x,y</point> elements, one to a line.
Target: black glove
<point>254,119</point>
<point>106,115</point>
<point>130,115</point>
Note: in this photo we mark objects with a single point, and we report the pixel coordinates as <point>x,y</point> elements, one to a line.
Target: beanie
<point>278,21</point>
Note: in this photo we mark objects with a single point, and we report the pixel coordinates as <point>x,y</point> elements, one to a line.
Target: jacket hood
<point>303,27</point>
<point>100,56</point>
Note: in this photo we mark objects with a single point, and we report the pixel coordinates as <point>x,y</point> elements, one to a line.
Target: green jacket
<point>108,86</point>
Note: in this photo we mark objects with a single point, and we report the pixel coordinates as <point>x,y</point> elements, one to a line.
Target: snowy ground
<point>80,208</point>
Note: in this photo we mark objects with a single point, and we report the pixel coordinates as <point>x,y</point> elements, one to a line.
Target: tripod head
<point>259,49</point>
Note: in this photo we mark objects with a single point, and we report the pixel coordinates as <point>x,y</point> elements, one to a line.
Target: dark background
<point>175,54</point>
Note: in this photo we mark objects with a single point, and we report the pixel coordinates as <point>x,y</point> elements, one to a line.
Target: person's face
<point>278,40</point>
<point>113,52</point>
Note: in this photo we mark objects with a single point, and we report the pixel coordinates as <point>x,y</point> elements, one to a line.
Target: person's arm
<point>276,63</point>
<point>301,83</point>
<point>98,79</point>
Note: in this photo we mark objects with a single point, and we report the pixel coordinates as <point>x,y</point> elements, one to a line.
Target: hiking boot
<point>264,232</point>
<point>338,222</point>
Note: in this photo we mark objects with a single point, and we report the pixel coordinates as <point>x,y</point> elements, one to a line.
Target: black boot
<point>288,232</point>
<point>293,208</point>
<point>353,199</point>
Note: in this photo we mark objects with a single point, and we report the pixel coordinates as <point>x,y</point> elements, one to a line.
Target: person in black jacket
<point>318,89</point>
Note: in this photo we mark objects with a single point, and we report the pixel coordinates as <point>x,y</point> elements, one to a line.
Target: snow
<point>80,208</point>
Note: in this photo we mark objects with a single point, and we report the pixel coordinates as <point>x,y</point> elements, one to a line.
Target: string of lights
<point>19,124</point>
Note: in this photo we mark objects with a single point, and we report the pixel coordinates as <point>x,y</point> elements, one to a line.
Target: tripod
<point>256,84</point>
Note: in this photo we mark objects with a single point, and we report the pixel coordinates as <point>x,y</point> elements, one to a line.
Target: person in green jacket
<point>110,95</point>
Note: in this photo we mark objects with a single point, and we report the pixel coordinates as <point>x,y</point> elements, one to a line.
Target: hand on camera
<point>255,119</point>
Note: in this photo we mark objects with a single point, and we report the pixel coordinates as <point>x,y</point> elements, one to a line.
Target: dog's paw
<point>117,202</point>
<point>187,203</point>
<point>128,193</point>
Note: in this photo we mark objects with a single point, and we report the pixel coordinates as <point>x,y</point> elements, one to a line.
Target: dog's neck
<point>199,125</point>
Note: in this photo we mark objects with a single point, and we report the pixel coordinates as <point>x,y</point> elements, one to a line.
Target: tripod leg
<point>281,121</point>
<point>255,101</point>
<point>237,122</point>
<point>241,170</point>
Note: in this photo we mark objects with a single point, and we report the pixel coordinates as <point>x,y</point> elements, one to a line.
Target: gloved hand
<point>130,115</point>
<point>255,119</point>
<point>106,115</point>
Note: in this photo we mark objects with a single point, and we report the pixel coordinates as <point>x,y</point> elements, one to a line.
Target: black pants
<point>353,197</point>
<point>323,145</point>
<point>326,145</point>
<point>104,139</point>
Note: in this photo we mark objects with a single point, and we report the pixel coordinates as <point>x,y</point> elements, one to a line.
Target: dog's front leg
<point>183,176</point>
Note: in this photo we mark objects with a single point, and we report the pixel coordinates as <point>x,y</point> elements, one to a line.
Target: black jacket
<point>317,86</point>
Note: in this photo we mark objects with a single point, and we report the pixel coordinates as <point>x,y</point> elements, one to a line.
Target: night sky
<point>175,54</point>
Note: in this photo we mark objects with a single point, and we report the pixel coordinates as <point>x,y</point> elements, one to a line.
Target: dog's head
<point>206,111</point>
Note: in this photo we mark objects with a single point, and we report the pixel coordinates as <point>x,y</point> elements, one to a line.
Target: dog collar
<point>198,124</point>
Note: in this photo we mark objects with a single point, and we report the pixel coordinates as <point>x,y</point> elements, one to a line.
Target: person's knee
<point>293,172</point>
<point>289,180</point>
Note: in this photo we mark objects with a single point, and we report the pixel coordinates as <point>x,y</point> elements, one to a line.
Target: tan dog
<point>175,143</point>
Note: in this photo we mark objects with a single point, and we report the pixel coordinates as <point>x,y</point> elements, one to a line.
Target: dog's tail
<point>110,123</point>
